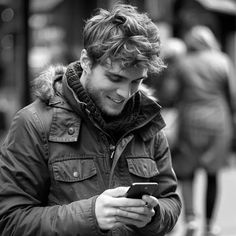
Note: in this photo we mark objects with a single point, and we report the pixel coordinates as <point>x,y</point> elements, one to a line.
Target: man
<point>70,156</point>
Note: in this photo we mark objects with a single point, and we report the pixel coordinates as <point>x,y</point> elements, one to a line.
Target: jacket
<point>54,163</point>
<point>206,108</point>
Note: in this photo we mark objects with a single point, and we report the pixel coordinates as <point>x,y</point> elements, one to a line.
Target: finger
<point>117,192</point>
<point>147,211</point>
<point>130,221</point>
<point>133,215</point>
<point>118,224</point>
<point>111,222</point>
<point>151,201</point>
<point>126,202</point>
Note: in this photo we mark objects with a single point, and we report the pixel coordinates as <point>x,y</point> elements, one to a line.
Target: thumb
<point>117,192</point>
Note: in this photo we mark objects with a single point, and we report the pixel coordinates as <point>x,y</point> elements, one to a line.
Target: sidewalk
<point>225,213</point>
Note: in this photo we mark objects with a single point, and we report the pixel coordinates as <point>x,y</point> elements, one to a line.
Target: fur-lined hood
<point>48,83</point>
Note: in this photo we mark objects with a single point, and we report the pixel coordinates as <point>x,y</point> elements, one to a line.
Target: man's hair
<point>123,35</point>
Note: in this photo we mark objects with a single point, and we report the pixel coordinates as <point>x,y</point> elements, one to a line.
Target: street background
<point>225,216</point>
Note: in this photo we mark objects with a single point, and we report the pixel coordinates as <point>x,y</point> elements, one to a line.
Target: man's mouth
<point>118,101</point>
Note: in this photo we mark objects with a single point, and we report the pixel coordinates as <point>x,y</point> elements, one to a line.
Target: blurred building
<point>35,33</point>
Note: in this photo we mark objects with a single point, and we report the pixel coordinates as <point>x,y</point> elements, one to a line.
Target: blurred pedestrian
<point>70,156</point>
<point>173,50</point>
<point>206,114</point>
<point>164,88</point>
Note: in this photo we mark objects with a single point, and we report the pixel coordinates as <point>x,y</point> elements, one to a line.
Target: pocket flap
<point>143,167</point>
<point>73,170</point>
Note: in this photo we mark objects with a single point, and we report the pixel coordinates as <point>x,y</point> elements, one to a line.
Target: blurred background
<point>36,33</point>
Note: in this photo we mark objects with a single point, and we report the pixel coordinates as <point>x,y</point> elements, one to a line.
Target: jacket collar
<point>152,121</point>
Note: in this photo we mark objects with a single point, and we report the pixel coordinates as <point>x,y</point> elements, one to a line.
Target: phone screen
<point>137,190</point>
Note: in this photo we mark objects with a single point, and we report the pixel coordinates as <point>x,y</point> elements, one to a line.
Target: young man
<point>70,156</point>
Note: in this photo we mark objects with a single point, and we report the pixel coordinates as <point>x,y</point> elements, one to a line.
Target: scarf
<point>115,126</point>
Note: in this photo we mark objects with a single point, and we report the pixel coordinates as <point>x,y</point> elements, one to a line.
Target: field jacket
<point>54,163</point>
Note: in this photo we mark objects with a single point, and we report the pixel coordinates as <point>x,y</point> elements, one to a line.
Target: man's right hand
<point>110,205</point>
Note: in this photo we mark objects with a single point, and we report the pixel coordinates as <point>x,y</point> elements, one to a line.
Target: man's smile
<point>118,101</point>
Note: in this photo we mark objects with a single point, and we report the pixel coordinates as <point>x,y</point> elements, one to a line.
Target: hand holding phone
<point>137,190</point>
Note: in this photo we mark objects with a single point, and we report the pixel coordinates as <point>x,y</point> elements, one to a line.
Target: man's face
<point>111,87</point>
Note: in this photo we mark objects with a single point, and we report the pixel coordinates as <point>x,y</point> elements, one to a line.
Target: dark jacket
<point>206,105</point>
<point>54,163</point>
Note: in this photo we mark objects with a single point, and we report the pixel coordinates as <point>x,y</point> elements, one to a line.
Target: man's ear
<point>85,61</point>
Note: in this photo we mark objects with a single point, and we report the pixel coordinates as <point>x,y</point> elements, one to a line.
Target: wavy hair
<point>123,35</point>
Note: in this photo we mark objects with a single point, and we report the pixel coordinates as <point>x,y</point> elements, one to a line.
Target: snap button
<point>76,174</point>
<point>71,130</point>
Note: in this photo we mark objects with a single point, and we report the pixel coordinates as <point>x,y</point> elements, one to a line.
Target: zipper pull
<point>112,149</point>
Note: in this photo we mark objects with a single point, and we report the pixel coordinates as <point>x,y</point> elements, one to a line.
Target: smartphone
<point>137,190</point>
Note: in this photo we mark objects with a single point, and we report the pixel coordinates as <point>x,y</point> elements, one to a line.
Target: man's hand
<point>114,209</point>
<point>141,215</point>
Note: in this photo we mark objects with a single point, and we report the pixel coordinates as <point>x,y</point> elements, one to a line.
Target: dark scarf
<point>115,126</point>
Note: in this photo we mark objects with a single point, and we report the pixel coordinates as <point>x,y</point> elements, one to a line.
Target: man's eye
<point>113,79</point>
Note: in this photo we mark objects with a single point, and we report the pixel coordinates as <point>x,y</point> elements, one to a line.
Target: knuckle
<point>117,212</point>
<point>152,213</point>
<point>124,213</point>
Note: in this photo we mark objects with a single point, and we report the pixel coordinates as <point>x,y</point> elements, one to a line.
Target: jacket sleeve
<point>169,208</point>
<point>24,187</point>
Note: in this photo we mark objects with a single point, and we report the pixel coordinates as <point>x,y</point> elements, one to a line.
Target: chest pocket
<point>142,169</point>
<point>73,170</point>
<point>74,179</point>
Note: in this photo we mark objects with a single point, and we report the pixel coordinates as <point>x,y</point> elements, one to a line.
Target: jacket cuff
<point>84,218</point>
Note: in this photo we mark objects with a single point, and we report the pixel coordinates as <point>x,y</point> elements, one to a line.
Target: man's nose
<point>124,91</point>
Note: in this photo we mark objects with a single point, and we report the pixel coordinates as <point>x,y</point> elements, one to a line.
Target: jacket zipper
<point>112,150</point>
